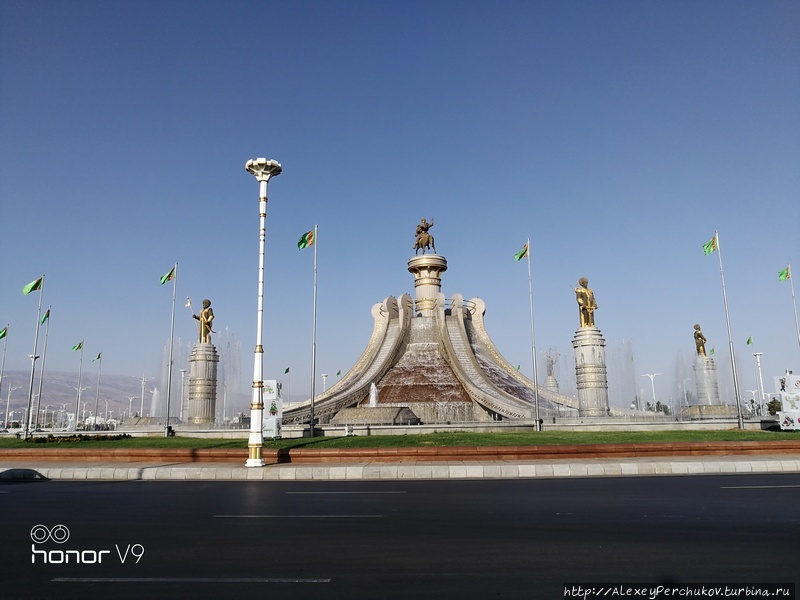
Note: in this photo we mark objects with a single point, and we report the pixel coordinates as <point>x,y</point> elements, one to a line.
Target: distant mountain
<point>60,389</point>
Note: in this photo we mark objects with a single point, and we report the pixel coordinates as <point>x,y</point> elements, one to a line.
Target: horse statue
<point>424,239</point>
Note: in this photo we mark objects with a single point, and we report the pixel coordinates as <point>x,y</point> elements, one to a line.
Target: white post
<point>652,377</point>
<point>171,341</point>
<point>263,170</point>
<point>533,341</point>
<point>33,358</point>
<point>730,337</point>
<point>314,340</point>
<point>761,392</point>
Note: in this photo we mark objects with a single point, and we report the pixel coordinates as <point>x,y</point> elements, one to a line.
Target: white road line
<point>190,580</point>
<point>298,516</point>
<point>757,487</point>
<point>308,493</point>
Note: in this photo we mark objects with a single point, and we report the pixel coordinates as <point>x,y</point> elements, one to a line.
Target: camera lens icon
<point>59,534</point>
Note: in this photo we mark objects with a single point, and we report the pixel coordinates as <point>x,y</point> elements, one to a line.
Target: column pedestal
<point>705,377</point>
<point>590,372</point>
<point>427,270</point>
<point>201,405</point>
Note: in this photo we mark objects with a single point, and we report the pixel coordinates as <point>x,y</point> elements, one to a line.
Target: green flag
<point>3,332</point>
<point>168,277</point>
<point>32,286</point>
<point>98,357</point>
<point>750,341</point>
<point>286,371</point>
<point>306,240</point>
<point>711,353</point>
<point>78,346</point>
<point>46,316</point>
<point>784,274</point>
<point>338,373</point>
<point>711,246</point>
<point>522,253</point>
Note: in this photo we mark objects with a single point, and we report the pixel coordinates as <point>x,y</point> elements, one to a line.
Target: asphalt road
<point>394,539</point>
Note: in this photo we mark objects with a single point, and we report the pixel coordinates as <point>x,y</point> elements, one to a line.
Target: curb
<point>413,454</point>
<point>422,470</point>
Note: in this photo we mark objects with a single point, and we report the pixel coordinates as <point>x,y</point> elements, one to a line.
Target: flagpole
<point>730,337</point>
<point>97,393</point>
<point>78,397</point>
<point>171,342</point>
<point>3,366</point>
<point>33,358</point>
<point>794,302</point>
<point>314,338</point>
<point>533,342</point>
<point>41,375</point>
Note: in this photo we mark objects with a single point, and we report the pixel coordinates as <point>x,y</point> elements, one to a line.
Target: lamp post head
<point>262,168</point>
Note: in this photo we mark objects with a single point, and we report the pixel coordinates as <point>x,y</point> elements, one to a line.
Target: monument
<point>430,359</point>
<point>202,398</point>
<point>705,372</point>
<point>707,403</point>
<point>551,358</point>
<point>590,357</point>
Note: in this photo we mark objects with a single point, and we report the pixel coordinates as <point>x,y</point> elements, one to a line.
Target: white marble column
<point>590,372</point>
<point>202,402</point>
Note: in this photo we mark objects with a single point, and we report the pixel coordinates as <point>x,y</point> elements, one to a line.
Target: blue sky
<point>617,135</point>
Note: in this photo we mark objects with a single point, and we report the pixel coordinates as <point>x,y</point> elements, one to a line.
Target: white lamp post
<point>757,356</point>
<point>263,170</point>
<point>652,377</point>
<point>8,402</point>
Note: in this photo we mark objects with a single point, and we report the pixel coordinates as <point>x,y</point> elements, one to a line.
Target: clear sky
<point>617,135</point>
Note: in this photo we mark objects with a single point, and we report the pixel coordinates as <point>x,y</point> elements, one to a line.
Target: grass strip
<point>410,441</point>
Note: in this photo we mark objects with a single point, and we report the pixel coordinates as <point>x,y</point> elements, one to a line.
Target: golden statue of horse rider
<point>424,239</point>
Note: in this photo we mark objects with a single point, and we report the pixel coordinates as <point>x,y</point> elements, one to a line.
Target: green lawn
<point>433,439</point>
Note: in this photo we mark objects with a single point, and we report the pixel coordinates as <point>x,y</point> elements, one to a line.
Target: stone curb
<point>414,454</point>
<point>423,470</point>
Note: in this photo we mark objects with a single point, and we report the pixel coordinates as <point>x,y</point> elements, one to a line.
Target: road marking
<point>298,516</point>
<point>190,580</point>
<point>390,492</point>
<point>757,487</point>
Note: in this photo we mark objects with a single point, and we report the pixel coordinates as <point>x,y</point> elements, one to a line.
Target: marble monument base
<point>201,405</point>
<point>590,371</point>
<point>705,377</point>
<point>705,411</point>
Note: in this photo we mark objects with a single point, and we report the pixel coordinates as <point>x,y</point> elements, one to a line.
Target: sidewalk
<point>116,470</point>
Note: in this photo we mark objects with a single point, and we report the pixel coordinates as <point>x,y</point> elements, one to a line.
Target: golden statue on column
<point>586,302</point>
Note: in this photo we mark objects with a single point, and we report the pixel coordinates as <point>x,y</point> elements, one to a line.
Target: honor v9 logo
<point>59,534</point>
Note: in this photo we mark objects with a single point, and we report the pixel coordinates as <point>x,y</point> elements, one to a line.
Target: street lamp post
<point>757,356</point>
<point>183,378</point>
<point>144,380</point>
<point>263,170</point>
<point>8,401</point>
<point>652,377</point>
